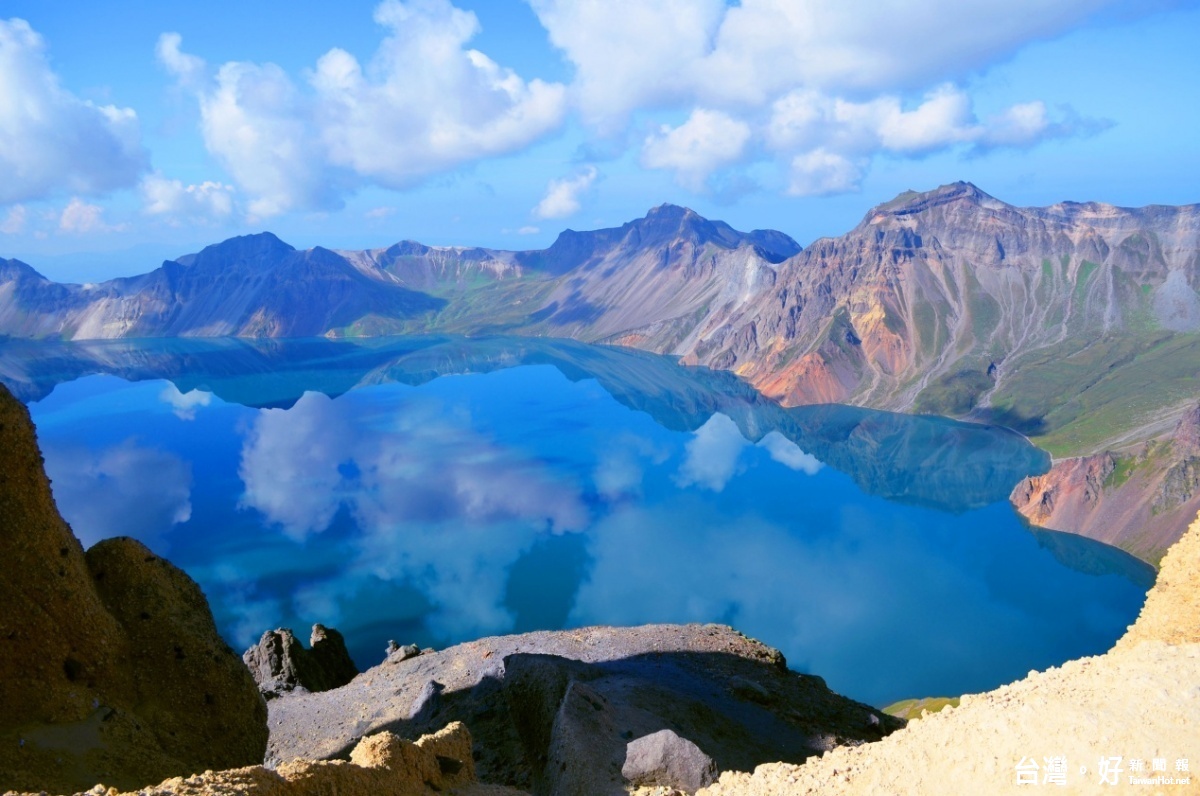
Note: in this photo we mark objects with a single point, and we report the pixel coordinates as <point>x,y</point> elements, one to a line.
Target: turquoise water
<point>433,491</point>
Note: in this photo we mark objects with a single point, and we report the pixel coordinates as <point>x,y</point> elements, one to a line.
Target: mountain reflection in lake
<point>433,490</point>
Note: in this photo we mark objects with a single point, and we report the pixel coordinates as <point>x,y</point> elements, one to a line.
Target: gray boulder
<point>281,665</point>
<point>663,758</point>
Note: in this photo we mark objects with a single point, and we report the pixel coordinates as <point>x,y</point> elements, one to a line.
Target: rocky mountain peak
<point>662,227</point>
<point>15,269</point>
<point>257,249</point>
<point>962,195</point>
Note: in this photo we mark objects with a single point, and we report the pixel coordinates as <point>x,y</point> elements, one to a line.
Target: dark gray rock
<point>397,653</point>
<point>748,689</point>
<point>428,702</point>
<point>327,648</point>
<point>281,665</point>
<point>584,757</point>
<point>664,758</point>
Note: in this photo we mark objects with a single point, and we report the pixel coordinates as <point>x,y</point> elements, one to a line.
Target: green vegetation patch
<point>1086,269</point>
<point>1073,398</point>
<point>909,709</point>
<point>1123,467</point>
<point>505,303</point>
<point>1047,271</point>
<point>955,394</point>
<point>985,312</point>
<point>930,329</point>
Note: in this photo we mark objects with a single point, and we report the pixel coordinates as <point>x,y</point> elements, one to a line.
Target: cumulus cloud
<point>81,218</point>
<point>125,490</point>
<point>294,466</point>
<point>425,103</point>
<point>562,196</point>
<point>171,199</point>
<point>712,456</point>
<point>834,139</point>
<point>290,464</point>
<point>788,453</point>
<point>377,213</point>
<point>439,506</point>
<point>707,141</point>
<point>630,54</point>
<point>14,220</point>
<point>819,87</point>
<point>184,404</point>
<point>50,140</point>
<point>620,465</point>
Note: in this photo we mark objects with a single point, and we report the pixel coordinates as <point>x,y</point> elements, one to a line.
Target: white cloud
<point>821,173</point>
<point>207,201</point>
<point>124,490</point>
<point>620,465</point>
<point>440,506</point>
<point>185,404</point>
<point>707,141</point>
<point>528,230</point>
<point>562,196</point>
<point>1027,124</point>
<point>290,464</point>
<point>820,87</point>
<point>50,140</point>
<point>788,453</point>
<point>712,454</point>
<point>629,54</point>
<point>831,141</point>
<point>80,218</point>
<point>380,212</point>
<point>291,467</point>
<point>14,221</point>
<point>188,69</point>
<point>423,104</point>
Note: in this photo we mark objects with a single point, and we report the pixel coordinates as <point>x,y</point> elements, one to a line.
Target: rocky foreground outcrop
<point>555,712</point>
<point>111,667</point>
<point>383,764</point>
<point>1097,716</point>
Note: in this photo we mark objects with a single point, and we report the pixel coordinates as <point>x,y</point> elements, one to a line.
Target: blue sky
<point>135,131</point>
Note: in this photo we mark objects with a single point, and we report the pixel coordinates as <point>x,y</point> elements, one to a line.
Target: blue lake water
<point>434,490</point>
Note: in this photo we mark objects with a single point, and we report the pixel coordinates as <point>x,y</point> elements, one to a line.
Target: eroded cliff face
<point>111,667</point>
<point>935,287</point>
<point>1136,500</point>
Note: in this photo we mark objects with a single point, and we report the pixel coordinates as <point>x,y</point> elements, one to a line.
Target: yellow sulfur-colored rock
<point>380,764</point>
<point>1172,610</point>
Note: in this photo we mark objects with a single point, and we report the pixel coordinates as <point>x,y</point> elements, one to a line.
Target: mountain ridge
<point>1048,320</point>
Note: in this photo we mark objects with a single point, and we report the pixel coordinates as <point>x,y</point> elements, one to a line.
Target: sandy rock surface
<point>382,765</point>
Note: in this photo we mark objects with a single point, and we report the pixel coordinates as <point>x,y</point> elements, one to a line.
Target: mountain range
<point>1077,324</point>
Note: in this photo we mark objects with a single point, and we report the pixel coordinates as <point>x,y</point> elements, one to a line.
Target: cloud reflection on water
<point>127,489</point>
<point>184,404</point>
<point>436,504</point>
